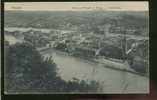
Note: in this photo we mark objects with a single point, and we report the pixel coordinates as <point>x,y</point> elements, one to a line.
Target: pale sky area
<point>78,6</point>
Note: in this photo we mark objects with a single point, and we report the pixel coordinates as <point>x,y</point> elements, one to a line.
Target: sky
<point>78,6</point>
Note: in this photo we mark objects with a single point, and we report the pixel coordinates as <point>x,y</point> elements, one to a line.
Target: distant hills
<point>87,19</point>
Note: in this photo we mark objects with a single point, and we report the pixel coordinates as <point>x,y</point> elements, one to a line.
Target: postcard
<point>76,47</point>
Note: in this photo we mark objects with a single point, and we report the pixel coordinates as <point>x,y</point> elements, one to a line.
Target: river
<point>23,29</point>
<point>112,81</point>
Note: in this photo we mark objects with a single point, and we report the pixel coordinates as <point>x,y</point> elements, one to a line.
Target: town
<point>81,51</point>
<point>109,43</point>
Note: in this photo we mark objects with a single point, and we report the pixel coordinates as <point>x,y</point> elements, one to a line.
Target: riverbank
<point>118,66</point>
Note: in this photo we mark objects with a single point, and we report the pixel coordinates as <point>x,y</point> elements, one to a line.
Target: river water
<point>23,29</point>
<point>112,81</point>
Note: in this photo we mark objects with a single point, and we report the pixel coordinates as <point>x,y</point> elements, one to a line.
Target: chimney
<point>106,30</point>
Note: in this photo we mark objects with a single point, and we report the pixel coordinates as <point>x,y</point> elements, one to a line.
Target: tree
<point>25,66</point>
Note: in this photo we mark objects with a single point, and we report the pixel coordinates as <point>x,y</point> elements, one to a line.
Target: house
<point>83,51</point>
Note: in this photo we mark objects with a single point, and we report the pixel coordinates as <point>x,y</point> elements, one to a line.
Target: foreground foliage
<point>27,70</point>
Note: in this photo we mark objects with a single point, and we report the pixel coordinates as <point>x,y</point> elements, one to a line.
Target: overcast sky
<point>77,6</point>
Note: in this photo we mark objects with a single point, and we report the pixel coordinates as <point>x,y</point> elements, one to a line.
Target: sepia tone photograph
<point>76,47</point>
